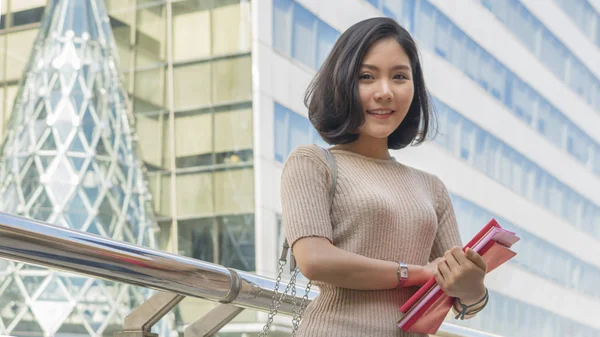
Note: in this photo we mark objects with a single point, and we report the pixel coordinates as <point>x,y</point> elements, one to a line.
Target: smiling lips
<point>380,113</point>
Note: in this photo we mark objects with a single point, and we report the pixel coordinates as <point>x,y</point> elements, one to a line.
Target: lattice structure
<point>70,159</point>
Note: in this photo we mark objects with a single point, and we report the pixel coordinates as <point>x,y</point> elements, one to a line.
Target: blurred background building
<point>216,89</point>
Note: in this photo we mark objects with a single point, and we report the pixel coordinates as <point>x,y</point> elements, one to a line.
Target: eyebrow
<point>397,67</point>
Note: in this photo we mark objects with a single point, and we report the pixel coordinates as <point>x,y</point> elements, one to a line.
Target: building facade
<point>217,91</point>
<point>516,87</point>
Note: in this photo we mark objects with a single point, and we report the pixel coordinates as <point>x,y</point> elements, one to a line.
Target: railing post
<point>140,321</point>
<point>209,324</point>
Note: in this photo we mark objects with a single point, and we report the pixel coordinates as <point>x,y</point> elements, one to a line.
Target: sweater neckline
<point>358,155</point>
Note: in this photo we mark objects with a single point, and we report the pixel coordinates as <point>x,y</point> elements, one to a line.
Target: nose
<point>384,92</point>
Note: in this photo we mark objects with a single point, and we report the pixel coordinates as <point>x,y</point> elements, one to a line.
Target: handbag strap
<point>333,167</point>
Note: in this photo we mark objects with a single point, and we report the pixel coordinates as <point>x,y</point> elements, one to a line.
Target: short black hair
<point>332,98</point>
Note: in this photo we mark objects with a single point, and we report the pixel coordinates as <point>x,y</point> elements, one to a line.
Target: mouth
<point>381,113</point>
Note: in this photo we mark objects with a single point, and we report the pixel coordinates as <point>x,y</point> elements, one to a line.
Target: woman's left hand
<point>461,274</point>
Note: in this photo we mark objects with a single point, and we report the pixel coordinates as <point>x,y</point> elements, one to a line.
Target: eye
<point>366,76</point>
<point>400,77</point>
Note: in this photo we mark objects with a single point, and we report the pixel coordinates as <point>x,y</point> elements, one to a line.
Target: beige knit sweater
<point>382,209</point>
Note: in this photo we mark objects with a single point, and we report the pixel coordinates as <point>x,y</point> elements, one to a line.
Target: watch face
<point>404,272</point>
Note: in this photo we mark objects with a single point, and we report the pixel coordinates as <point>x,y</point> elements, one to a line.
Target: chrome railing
<point>174,276</point>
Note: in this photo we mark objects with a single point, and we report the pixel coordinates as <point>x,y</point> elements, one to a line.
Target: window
<point>530,176</point>
<point>226,240</point>
<point>234,191</point>
<point>280,139</point>
<point>194,139</point>
<point>20,45</point>
<point>504,175</point>
<point>518,182</point>
<point>151,36</point>
<point>578,144</point>
<point>291,131</point>
<point>191,25</point>
<point>233,130</point>
<point>192,85</point>
<point>598,30</point>
<point>572,207</point>
<point>576,72</point>
<point>596,164</point>
<point>231,28</point>
<point>149,128</point>
<point>149,90</point>
<point>550,123</point>
<point>326,38</point>
<point>467,134</point>
<point>485,69</point>
<point>527,27</point>
<point>27,16</point>
<point>20,5</point>
<point>442,36</point>
<point>196,239</point>
<point>471,61</point>
<point>521,99</point>
<point>480,161</point>
<point>7,98</point>
<point>282,26</point>
<point>195,194</point>
<point>232,80</point>
<point>236,241</point>
<point>425,27</point>
<point>298,131</point>
<point>375,3</point>
<point>553,54</point>
<point>457,45</point>
<point>498,78</point>
<point>303,37</point>
<point>395,10</point>
<point>162,200</point>
<point>452,136</point>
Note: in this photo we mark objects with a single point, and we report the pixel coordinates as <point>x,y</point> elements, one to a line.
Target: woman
<point>387,218</point>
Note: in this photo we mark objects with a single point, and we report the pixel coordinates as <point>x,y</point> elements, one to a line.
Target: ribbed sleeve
<point>305,185</point>
<point>447,235</point>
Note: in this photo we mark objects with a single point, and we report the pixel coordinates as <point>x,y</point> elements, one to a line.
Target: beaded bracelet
<point>463,312</point>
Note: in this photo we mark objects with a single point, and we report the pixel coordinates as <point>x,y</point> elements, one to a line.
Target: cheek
<point>406,94</point>
<point>364,97</point>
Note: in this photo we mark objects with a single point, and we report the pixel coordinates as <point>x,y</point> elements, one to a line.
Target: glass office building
<point>516,88</point>
<point>217,87</point>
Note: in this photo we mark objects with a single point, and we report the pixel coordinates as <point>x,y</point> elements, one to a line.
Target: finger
<point>438,260</point>
<point>459,255</point>
<point>444,269</point>
<point>439,279</point>
<point>477,259</point>
<point>451,261</point>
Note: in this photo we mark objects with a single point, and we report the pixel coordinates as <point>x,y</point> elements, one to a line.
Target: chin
<point>378,135</point>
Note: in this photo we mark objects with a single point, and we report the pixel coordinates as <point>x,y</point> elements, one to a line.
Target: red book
<point>426,310</point>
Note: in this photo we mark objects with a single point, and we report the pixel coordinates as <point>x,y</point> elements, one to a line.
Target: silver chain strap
<point>276,300</point>
<point>298,317</point>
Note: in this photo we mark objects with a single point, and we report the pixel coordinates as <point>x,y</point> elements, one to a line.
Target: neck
<point>369,147</point>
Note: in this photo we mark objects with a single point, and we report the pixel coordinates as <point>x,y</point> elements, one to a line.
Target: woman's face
<point>385,88</point>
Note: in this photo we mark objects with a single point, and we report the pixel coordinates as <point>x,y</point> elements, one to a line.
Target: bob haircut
<point>332,98</point>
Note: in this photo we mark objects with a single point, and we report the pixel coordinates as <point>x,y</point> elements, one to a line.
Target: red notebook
<point>426,310</point>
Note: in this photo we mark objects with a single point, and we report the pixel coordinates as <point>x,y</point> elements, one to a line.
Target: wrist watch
<point>402,274</point>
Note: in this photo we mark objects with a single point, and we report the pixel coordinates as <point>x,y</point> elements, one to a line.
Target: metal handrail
<point>36,242</point>
<point>39,243</point>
